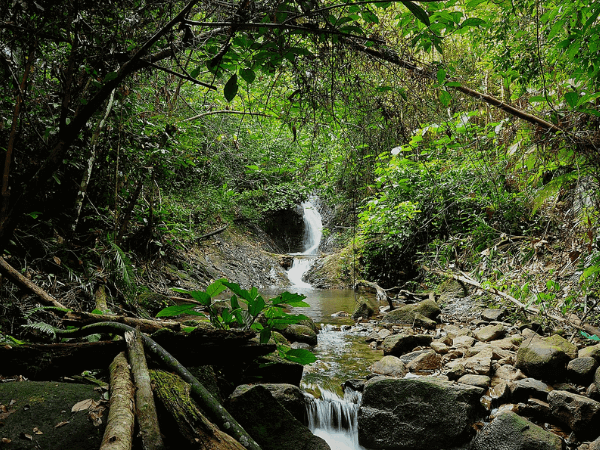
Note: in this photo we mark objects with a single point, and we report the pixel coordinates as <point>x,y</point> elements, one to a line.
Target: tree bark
<point>381,294</point>
<point>174,395</point>
<point>144,399</point>
<point>213,408</point>
<point>13,275</point>
<point>118,434</point>
<point>79,318</point>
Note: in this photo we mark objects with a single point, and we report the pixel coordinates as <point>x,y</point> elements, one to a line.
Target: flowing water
<point>342,355</point>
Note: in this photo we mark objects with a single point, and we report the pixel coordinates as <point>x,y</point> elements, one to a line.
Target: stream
<point>341,351</point>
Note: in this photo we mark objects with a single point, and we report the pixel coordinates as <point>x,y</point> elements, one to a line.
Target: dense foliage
<point>435,128</point>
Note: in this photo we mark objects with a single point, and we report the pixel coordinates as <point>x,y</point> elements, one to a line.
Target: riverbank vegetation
<point>455,135</point>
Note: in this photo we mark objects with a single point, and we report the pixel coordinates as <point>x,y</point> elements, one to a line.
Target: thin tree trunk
<point>125,222</point>
<point>381,294</point>
<point>174,395</point>
<point>13,275</point>
<point>144,399</point>
<point>79,318</point>
<point>87,175</point>
<point>118,434</point>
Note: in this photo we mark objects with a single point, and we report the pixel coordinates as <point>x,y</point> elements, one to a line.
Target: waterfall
<point>313,230</point>
<point>335,419</point>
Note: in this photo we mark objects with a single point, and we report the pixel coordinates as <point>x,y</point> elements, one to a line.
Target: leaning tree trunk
<point>174,395</point>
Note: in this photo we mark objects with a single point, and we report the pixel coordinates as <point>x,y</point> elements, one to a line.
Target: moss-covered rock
<point>153,302</point>
<point>365,308</point>
<point>422,314</point>
<point>399,344</point>
<point>545,358</point>
<point>300,333</point>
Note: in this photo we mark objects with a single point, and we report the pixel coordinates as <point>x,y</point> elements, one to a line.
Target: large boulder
<point>300,333</point>
<point>399,344</point>
<point>274,369</point>
<point>580,413</point>
<point>490,332</point>
<point>417,413</point>
<point>291,398</point>
<point>423,314</point>
<point>365,309</point>
<point>545,358</point>
<point>508,431</point>
<point>390,366</point>
<point>268,422</point>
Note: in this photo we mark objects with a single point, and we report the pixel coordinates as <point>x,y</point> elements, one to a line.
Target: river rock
<point>463,341</point>
<point>545,358</point>
<point>365,309</point>
<point>439,347</point>
<point>398,344</point>
<point>426,362</point>
<point>481,363</point>
<point>271,425</point>
<point>490,315</point>
<point>300,333</point>
<point>291,398</point>
<point>592,350</point>
<point>581,370</point>
<point>521,390</point>
<point>481,381</point>
<point>417,414</point>
<point>274,369</point>
<point>490,333</point>
<point>390,366</point>
<point>580,413</point>
<point>423,314</point>
<point>509,431</point>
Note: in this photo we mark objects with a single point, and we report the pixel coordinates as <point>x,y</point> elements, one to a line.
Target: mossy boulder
<point>365,308</point>
<point>300,333</point>
<point>545,358</point>
<point>423,314</point>
<point>417,413</point>
<point>399,344</point>
<point>510,431</point>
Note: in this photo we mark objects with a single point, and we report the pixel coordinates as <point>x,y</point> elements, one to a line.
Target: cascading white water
<point>313,230</point>
<point>335,419</point>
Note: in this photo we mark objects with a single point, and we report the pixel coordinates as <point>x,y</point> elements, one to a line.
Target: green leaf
<point>472,22</point>
<point>231,88</point>
<point>588,98</point>
<point>236,289</point>
<point>194,73</point>
<point>178,310</point>
<point>441,76</point>
<point>110,76</point>
<point>287,297</point>
<point>453,84</point>
<point>265,335</point>
<point>418,12</point>
<point>537,99</point>
<point>572,98</point>
<point>248,75</point>
<point>216,288</point>
<point>300,355</point>
<point>445,98</point>
<point>35,214</point>
<point>202,297</point>
<point>256,306</point>
<point>369,17</point>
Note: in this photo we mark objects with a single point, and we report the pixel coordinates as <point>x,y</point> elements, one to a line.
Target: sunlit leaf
<point>418,12</point>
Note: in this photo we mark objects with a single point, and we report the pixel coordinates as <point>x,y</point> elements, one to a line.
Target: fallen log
<point>118,434</point>
<point>381,294</point>
<point>174,395</point>
<point>208,403</point>
<point>13,275</point>
<point>78,318</point>
<point>212,233</point>
<point>144,400</point>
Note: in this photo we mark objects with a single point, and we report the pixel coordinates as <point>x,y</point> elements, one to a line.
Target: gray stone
<point>390,366</point>
<point>426,362</point>
<point>591,351</point>
<point>365,309</point>
<point>439,347</point>
<point>581,370</point>
<point>545,358</point>
<point>521,390</point>
<point>509,431</point>
<point>291,398</point>
<point>399,344</point>
<point>300,333</point>
<point>481,363</point>
<point>463,341</point>
<point>595,445</point>
<point>493,314</point>
<point>269,423</point>
<point>372,337</point>
<point>420,314</point>
<point>481,381</point>
<point>417,414</point>
<point>580,413</point>
<point>490,333</point>
<point>408,357</point>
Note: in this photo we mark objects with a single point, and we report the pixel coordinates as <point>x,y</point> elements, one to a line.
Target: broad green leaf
<point>572,98</point>
<point>441,76</point>
<point>234,302</point>
<point>110,76</point>
<point>418,12</point>
<point>300,355</point>
<point>445,98</point>
<point>287,297</point>
<point>178,310</point>
<point>248,75</point>
<point>537,99</point>
<point>472,22</point>
<point>453,84</point>
<point>256,306</point>
<point>231,88</point>
<point>265,335</point>
<point>200,296</point>
<point>236,289</point>
<point>216,288</point>
<point>369,17</point>
<point>588,98</point>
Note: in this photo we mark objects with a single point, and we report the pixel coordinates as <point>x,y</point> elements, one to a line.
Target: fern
<point>30,312</point>
<point>124,265</point>
<point>42,327</point>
